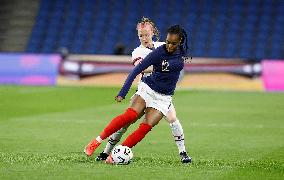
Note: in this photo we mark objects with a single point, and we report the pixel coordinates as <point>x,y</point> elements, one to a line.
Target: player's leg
<point>131,114</point>
<point>152,118</point>
<point>112,141</point>
<point>176,128</point>
<point>178,134</point>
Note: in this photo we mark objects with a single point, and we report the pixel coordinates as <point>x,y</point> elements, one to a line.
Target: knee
<point>152,124</point>
<point>171,119</point>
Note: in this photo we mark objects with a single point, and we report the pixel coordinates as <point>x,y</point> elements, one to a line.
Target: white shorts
<point>153,99</point>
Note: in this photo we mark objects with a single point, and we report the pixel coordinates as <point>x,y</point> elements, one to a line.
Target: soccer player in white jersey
<point>146,29</point>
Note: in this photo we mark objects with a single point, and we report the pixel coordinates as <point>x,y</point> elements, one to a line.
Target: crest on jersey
<point>165,65</point>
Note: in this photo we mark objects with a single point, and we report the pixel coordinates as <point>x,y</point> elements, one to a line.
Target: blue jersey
<point>166,70</point>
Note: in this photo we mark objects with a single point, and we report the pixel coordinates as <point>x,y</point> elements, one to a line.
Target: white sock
<point>178,135</point>
<point>114,139</point>
<point>99,139</point>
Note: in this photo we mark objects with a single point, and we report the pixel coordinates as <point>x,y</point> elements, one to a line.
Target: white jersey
<point>141,51</point>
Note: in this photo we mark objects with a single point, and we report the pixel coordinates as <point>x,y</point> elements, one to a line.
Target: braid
<point>184,38</point>
<point>177,29</point>
<point>145,20</point>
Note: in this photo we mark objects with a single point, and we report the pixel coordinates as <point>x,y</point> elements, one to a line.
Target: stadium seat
<point>219,29</point>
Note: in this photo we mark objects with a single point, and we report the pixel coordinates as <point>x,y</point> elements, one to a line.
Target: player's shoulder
<point>137,50</point>
<point>159,52</point>
<point>161,49</point>
<point>158,44</point>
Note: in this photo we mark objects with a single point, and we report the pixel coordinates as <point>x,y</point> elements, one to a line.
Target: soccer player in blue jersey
<point>146,30</point>
<point>154,95</point>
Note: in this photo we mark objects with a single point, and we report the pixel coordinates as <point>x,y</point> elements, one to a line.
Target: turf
<point>230,135</point>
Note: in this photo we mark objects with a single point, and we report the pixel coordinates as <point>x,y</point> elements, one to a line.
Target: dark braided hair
<point>155,29</point>
<point>177,29</point>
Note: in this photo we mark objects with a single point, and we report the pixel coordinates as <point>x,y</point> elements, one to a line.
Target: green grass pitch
<point>230,135</point>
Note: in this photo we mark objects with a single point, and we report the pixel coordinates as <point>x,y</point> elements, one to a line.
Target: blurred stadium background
<point>235,44</point>
<point>51,49</point>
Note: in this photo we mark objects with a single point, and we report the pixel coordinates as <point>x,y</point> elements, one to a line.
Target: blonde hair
<point>145,21</point>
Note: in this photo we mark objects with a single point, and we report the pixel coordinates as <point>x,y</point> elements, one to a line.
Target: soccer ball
<point>121,155</point>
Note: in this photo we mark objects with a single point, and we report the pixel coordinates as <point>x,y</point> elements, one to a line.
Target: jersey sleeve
<point>149,60</point>
<point>136,57</point>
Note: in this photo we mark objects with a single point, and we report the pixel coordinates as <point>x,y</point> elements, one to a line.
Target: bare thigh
<point>152,116</point>
<point>138,104</point>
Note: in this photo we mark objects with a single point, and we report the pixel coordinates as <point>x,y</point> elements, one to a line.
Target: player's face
<point>172,42</point>
<point>145,37</point>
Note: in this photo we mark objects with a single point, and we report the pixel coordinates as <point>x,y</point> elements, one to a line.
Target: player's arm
<point>148,61</point>
<point>148,70</point>
<point>138,60</point>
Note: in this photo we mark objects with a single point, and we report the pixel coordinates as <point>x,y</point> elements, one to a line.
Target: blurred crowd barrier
<point>28,69</point>
<point>73,69</point>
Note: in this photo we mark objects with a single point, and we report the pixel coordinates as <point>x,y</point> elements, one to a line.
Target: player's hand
<point>137,61</point>
<point>118,98</point>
